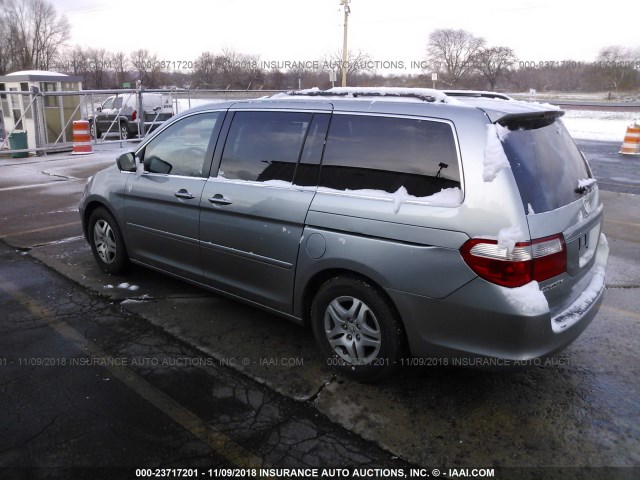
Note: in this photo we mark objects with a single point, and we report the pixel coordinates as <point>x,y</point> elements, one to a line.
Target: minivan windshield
<point>546,164</point>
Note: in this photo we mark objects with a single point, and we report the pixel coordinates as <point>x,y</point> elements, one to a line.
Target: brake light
<point>538,260</point>
<point>134,115</point>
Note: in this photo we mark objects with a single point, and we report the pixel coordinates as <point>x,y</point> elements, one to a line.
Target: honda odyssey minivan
<point>393,222</point>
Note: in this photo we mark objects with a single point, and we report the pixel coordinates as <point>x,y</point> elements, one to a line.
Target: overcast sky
<point>281,30</point>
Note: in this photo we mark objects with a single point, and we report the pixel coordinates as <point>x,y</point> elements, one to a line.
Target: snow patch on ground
<point>130,301</point>
<point>598,125</point>
<point>494,157</point>
<point>527,299</point>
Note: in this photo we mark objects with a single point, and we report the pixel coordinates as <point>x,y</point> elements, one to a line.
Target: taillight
<point>538,260</point>
<point>134,115</point>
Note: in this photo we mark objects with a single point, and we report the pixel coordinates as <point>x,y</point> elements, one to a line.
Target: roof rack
<point>476,94</point>
<point>423,94</point>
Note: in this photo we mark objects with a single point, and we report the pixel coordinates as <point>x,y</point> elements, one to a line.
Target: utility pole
<point>347,11</point>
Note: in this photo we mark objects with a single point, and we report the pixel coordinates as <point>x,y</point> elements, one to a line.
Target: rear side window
<point>263,146</point>
<point>387,153</point>
<point>546,164</point>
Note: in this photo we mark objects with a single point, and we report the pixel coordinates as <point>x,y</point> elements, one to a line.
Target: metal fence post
<point>140,111</point>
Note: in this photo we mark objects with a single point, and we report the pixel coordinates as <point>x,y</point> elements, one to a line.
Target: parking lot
<point>578,409</point>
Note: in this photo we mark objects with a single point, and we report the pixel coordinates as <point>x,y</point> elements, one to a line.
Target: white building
<point>46,119</point>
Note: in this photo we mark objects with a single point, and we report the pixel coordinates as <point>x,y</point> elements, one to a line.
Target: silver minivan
<point>397,223</point>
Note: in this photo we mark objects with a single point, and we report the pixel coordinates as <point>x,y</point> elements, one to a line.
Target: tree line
<point>34,37</point>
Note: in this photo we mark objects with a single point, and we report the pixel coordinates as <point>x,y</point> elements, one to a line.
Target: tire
<point>357,329</point>
<point>95,133</point>
<point>106,242</point>
<point>124,131</point>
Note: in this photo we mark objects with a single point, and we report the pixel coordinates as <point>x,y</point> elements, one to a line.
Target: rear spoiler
<point>529,120</point>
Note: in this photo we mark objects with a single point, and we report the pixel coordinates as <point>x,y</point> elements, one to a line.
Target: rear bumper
<point>478,321</point>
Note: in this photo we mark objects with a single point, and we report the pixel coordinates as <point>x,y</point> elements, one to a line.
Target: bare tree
<point>4,41</point>
<point>617,64</point>
<point>120,65</point>
<point>32,33</point>
<point>206,71</point>
<point>452,53</point>
<point>357,62</point>
<point>97,63</point>
<point>494,62</point>
<point>229,69</point>
<point>149,69</point>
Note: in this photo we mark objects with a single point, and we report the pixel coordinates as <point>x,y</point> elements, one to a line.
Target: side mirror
<point>99,109</point>
<point>127,162</point>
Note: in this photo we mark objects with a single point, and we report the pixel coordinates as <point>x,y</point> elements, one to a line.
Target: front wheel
<point>106,242</point>
<point>95,133</point>
<point>357,329</point>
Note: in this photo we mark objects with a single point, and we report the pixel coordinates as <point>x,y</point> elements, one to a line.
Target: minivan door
<point>162,205</point>
<point>254,206</point>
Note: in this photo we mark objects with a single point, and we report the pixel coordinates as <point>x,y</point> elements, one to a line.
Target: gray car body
<point>272,246</point>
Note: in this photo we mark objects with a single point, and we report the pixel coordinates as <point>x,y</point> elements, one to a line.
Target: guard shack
<point>29,104</point>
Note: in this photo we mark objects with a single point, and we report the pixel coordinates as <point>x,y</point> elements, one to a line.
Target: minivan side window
<point>386,153</point>
<point>263,146</point>
<point>308,169</point>
<point>181,149</point>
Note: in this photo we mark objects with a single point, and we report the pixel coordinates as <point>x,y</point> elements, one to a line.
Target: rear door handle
<point>183,193</point>
<point>220,199</point>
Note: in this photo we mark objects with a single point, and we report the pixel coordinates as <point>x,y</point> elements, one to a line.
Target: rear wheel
<point>356,328</point>
<point>106,242</point>
<point>124,131</point>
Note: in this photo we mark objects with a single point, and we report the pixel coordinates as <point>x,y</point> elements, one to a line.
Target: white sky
<point>394,30</point>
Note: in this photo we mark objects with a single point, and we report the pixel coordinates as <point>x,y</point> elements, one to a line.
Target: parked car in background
<point>394,222</point>
<point>118,115</point>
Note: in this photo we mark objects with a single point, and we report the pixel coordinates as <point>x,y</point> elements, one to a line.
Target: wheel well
<point>89,209</point>
<point>319,278</point>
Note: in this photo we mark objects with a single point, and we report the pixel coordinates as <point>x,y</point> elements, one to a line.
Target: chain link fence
<point>38,122</point>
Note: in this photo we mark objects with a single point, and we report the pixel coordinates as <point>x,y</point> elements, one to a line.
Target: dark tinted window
<point>308,169</point>
<point>546,165</point>
<point>182,148</point>
<point>383,153</point>
<point>264,146</point>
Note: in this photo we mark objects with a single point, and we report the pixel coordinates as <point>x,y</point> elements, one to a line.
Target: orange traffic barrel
<point>81,138</point>
<point>631,144</point>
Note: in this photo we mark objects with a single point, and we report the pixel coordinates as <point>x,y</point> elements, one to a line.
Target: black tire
<point>361,340</point>
<point>95,133</point>
<point>124,131</point>
<point>106,242</point>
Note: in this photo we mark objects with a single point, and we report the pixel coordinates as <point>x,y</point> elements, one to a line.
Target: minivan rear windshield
<point>546,164</point>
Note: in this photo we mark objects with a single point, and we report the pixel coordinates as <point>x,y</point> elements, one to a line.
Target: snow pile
<point>573,314</point>
<point>494,156</point>
<point>598,125</point>
<point>527,299</point>
<point>447,197</point>
<point>508,237</point>
<point>437,95</point>
<point>394,93</point>
<point>586,257</point>
<point>586,183</point>
<point>603,240</point>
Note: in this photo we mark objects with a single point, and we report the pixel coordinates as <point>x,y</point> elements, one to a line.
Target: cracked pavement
<point>265,384</point>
